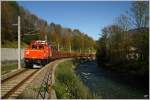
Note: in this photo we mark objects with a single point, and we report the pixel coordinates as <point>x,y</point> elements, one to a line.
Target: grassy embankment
<point>67,84</point>
<point>9,66</point>
<point>13,44</point>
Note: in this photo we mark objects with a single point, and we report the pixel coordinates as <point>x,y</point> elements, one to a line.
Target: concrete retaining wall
<point>10,54</point>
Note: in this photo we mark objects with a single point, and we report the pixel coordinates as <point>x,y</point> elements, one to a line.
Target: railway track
<point>14,85</point>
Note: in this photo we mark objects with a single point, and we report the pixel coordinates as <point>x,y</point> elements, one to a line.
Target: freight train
<point>39,53</point>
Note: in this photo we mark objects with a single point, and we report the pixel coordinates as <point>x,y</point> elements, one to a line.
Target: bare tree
<point>140,14</point>
<point>124,23</point>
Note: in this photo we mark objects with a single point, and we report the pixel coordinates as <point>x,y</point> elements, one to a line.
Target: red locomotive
<point>38,53</point>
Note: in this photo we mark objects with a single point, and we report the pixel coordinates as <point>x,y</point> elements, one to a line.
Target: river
<point>105,84</point>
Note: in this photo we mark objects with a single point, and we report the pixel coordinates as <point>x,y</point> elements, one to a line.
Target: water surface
<point>106,84</point>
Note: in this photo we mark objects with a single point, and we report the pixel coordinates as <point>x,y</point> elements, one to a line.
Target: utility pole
<point>80,50</point>
<point>58,47</point>
<point>19,50</point>
<point>89,50</point>
<point>70,48</point>
<point>45,37</point>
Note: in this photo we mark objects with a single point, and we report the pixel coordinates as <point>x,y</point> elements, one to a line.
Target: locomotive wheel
<point>44,62</point>
<point>28,65</point>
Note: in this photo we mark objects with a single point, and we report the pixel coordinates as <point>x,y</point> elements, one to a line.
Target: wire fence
<point>43,92</point>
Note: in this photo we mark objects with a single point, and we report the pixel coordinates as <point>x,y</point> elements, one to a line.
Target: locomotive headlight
<point>27,52</point>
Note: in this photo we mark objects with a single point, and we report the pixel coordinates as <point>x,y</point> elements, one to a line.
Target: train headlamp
<point>27,52</point>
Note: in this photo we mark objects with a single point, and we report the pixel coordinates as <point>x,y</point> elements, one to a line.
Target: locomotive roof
<point>38,42</point>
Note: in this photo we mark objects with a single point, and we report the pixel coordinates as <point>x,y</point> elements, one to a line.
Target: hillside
<point>31,24</point>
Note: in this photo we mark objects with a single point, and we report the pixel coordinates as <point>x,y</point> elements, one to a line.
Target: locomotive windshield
<point>34,47</point>
<point>37,47</point>
<point>41,47</point>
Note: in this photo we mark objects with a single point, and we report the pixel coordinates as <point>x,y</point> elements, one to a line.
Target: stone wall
<point>10,54</point>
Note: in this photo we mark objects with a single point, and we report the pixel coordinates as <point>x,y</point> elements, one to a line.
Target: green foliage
<point>28,38</point>
<point>68,85</point>
<point>125,50</point>
<point>9,16</point>
<point>70,39</point>
<point>30,24</point>
<point>12,44</point>
<point>7,68</point>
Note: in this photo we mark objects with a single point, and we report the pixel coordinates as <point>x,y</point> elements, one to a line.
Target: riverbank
<point>67,84</point>
<point>106,84</point>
